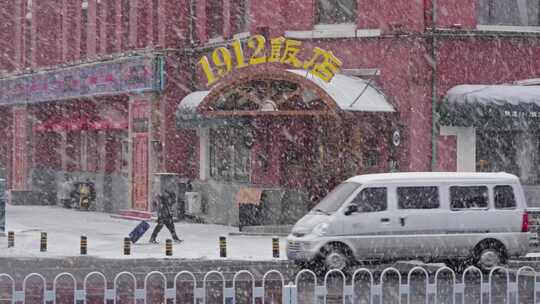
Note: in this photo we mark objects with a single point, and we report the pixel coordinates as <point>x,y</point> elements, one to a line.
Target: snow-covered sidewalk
<point>105,237</point>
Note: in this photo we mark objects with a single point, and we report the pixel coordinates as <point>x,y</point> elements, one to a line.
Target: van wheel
<point>336,257</point>
<point>489,255</point>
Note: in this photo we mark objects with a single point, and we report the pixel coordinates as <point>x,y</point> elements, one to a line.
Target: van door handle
<point>385,220</point>
<point>402,221</point>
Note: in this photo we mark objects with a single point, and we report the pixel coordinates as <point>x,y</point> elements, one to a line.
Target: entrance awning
<point>346,92</point>
<point>351,93</point>
<point>492,106</point>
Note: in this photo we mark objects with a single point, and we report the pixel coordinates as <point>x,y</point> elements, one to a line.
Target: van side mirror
<point>351,209</point>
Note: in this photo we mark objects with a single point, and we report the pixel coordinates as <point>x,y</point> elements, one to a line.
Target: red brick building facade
<point>91,88</point>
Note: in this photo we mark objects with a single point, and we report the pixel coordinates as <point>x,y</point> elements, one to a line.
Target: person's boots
<point>153,241</point>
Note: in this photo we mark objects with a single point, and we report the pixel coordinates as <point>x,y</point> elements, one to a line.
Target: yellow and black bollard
<point>168,247</point>
<point>127,246</point>
<point>11,239</point>
<point>43,243</point>
<point>222,247</point>
<point>275,247</point>
<point>84,245</point>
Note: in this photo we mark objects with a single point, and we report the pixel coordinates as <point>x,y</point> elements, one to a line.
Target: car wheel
<point>336,257</point>
<point>489,256</point>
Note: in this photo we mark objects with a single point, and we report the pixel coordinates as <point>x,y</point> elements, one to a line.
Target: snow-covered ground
<point>105,237</point>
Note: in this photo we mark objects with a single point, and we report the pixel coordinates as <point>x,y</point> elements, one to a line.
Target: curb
<point>257,234</point>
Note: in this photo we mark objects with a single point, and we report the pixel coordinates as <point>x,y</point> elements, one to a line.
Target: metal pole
<point>168,247</point>
<point>84,245</point>
<point>11,239</point>
<point>222,247</point>
<point>127,246</point>
<point>43,242</point>
<point>275,247</point>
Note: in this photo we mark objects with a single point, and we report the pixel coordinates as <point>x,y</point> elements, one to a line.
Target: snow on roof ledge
<point>494,94</point>
<point>344,90</point>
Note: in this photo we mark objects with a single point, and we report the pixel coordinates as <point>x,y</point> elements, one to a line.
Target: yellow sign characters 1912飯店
<point>322,63</point>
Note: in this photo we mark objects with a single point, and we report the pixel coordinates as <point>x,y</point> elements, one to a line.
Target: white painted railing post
<point>291,292</point>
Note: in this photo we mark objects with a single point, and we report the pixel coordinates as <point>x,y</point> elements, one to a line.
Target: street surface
<point>199,254</point>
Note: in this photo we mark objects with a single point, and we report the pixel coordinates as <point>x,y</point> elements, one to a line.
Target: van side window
<point>371,200</point>
<point>418,197</point>
<point>468,197</point>
<point>504,197</point>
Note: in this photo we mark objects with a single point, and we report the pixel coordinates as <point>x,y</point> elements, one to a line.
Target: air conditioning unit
<point>193,202</point>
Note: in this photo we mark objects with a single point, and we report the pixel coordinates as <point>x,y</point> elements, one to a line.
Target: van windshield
<point>331,202</point>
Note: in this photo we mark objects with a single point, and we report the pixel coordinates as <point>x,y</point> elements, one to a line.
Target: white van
<point>431,216</point>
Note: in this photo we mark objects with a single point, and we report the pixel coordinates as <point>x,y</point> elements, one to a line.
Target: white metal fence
<point>363,286</point>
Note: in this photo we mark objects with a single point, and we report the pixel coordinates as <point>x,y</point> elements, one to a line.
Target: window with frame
<point>468,197</point>
<point>28,37</point>
<point>126,8</point>
<point>239,16</point>
<point>371,200</point>
<point>229,155</point>
<point>84,28</point>
<point>193,20</point>
<point>509,12</point>
<point>335,12</point>
<point>214,18</point>
<point>418,197</point>
<point>504,197</point>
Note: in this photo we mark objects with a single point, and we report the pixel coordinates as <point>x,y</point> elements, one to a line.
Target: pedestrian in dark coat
<point>165,218</point>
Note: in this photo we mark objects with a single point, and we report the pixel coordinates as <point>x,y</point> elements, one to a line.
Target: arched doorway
<point>279,140</point>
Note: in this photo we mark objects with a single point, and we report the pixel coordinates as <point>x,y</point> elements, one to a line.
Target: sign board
<point>248,196</point>
<point>224,60</point>
<point>132,74</point>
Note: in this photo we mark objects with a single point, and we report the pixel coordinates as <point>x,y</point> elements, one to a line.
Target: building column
<point>19,165</point>
<point>204,153</point>
<point>466,146</point>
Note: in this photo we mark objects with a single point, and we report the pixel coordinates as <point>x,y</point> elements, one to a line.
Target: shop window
<point>371,200</point>
<point>214,18</point>
<point>508,12</point>
<point>73,151</point>
<point>514,152</point>
<point>418,197</point>
<point>371,158</point>
<point>335,12</point>
<point>371,153</point>
<point>229,154</point>
<point>468,197</point>
<point>504,197</point>
<point>92,152</point>
<point>239,16</point>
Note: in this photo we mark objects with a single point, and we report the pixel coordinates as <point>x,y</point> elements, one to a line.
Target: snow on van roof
<point>454,176</point>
